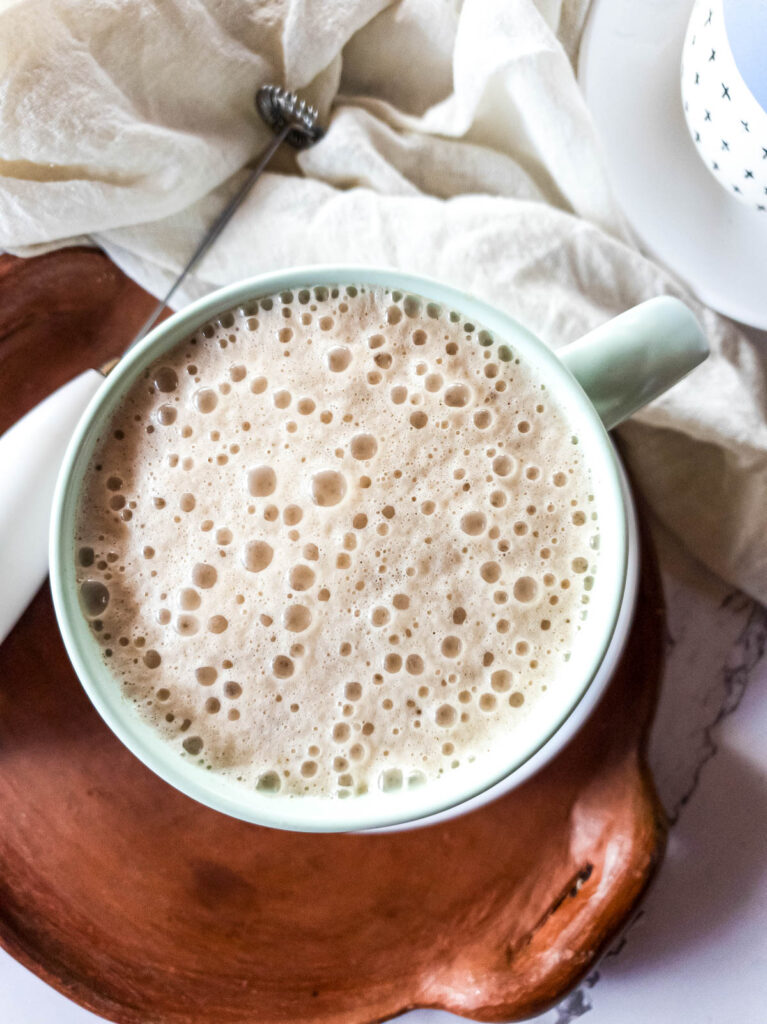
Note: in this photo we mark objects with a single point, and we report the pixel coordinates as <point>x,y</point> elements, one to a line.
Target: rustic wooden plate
<point>144,906</point>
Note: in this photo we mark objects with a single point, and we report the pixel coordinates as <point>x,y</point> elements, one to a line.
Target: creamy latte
<point>338,541</point>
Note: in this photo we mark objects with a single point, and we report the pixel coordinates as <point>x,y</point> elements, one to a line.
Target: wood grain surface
<point>148,908</point>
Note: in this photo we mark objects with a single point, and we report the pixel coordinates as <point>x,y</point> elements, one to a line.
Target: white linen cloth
<point>459,147</point>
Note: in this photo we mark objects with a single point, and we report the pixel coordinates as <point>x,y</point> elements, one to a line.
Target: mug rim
<point>119,715</point>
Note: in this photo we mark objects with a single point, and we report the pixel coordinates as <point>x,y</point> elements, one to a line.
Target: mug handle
<point>627,362</point>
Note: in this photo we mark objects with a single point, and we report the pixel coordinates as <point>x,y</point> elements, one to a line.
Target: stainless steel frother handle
<point>214,231</point>
<point>293,122</point>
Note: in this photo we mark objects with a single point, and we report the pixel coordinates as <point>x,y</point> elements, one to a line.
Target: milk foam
<point>338,541</point>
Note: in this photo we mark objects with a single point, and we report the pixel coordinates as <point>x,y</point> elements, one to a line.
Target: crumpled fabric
<point>459,146</point>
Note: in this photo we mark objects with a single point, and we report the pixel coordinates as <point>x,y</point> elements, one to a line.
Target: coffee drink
<point>337,542</point>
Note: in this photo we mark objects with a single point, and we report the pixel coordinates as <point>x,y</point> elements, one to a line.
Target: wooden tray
<point>148,908</point>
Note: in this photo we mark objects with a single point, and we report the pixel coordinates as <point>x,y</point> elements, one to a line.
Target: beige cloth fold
<point>459,147</point>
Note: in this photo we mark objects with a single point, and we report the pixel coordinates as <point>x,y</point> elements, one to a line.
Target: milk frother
<point>32,450</point>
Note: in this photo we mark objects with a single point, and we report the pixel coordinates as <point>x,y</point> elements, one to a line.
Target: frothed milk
<point>338,541</point>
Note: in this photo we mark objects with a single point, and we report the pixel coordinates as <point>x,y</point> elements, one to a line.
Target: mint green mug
<point>600,380</point>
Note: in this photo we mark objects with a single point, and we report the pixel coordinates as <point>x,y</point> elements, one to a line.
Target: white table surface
<point>697,949</point>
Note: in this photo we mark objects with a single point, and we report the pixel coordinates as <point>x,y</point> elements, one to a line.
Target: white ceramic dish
<point>630,73</point>
<point>724,117</point>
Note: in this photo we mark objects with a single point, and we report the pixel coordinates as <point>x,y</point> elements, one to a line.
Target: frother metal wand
<point>31,452</point>
<point>293,122</point>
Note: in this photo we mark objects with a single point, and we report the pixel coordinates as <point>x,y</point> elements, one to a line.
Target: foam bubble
<point>501,680</point>
<point>328,488</point>
<point>85,557</point>
<point>296,618</point>
<point>363,446</point>
<point>205,400</point>
<point>390,780</point>
<point>451,646</point>
<point>94,598</point>
<point>282,666</point>
<point>257,555</point>
<point>457,396</point>
<point>204,576</point>
<point>393,662</point>
<point>166,415</point>
<point>341,732</point>
<point>189,600</point>
<point>473,523</point>
<point>301,577</point>
<point>503,465</point>
<point>338,359</point>
<point>525,589</point>
<point>379,616</point>
<point>262,481</point>
<point>164,379</point>
<point>187,625</point>
<point>268,782</point>
<point>446,716</point>
<point>490,572</point>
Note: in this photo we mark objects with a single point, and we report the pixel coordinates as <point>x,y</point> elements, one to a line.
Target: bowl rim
<point>319,814</point>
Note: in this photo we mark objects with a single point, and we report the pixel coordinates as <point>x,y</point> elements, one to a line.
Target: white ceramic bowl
<point>724,94</point>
